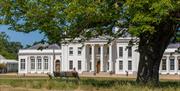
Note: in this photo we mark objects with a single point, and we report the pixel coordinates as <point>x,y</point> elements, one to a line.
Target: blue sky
<point>24,38</point>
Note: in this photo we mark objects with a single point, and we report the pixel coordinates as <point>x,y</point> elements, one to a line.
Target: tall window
<point>178,64</point>
<point>79,65</point>
<point>120,65</point>
<point>46,63</point>
<point>32,63</point>
<point>70,64</point>
<point>120,51</point>
<point>129,51</point>
<point>39,63</point>
<point>171,64</point>
<point>70,50</point>
<point>108,65</point>
<point>90,50</point>
<point>99,50</point>
<point>79,50</point>
<point>22,64</point>
<point>107,50</point>
<point>129,65</point>
<point>90,65</point>
<point>163,64</point>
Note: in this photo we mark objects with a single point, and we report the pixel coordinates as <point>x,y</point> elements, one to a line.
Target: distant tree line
<point>8,49</point>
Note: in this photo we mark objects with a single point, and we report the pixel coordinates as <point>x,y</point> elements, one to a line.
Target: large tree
<point>152,21</point>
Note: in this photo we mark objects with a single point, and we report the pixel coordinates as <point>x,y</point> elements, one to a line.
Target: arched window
<point>39,63</point>
<point>46,63</point>
<point>32,59</point>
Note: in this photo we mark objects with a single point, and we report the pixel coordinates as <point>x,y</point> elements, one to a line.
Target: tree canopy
<point>86,18</point>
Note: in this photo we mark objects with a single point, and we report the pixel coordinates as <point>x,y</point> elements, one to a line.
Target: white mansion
<point>94,56</point>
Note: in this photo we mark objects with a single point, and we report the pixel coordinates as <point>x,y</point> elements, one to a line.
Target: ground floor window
<point>39,63</point>
<point>171,64</point>
<point>129,65</point>
<point>90,65</point>
<point>79,65</point>
<point>163,64</point>
<point>32,63</point>
<point>121,65</point>
<point>107,65</point>
<point>46,63</point>
<point>70,64</point>
<point>22,66</point>
<point>178,64</point>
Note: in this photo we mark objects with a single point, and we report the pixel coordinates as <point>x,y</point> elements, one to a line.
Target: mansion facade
<point>93,56</point>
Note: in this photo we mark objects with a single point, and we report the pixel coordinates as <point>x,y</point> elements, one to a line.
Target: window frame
<point>32,58</point>
<point>22,64</point>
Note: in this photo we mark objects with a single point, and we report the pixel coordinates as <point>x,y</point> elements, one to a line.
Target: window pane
<point>120,65</point>
<point>46,63</point>
<point>70,64</point>
<point>171,64</point>
<point>70,50</point>
<point>79,50</point>
<point>79,65</point>
<point>129,65</point>
<point>32,63</point>
<point>120,51</point>
<point>39,63</point>
<point>163,64</point>
<point>129,51</point>
<point>22,64</point>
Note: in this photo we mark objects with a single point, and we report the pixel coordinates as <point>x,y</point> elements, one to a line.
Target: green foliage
<point>8,49</point>
<point>86,18</point>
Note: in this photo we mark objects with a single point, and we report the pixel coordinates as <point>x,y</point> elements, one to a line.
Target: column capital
<point>92,44</point>
<point>101,44</point>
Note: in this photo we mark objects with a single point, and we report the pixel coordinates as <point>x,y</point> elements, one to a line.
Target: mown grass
<point>90,84</point>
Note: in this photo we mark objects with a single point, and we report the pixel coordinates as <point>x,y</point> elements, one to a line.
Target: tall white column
<point>167,64</point>
<point>35,64</point>
<point>52,60</point>
<point>102,58</point>
<point>176,64</point>
<point>110,58</point>
<point>92,57</point>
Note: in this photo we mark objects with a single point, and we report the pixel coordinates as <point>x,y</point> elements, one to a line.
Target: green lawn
<point>88,84</point>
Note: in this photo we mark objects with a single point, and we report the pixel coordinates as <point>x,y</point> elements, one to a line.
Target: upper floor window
<point>70,50</point>
<point>163,64</point>
<point>120,51</point>
<point>79,50</point>
<point>22,64</point>
<point>46,63</point>
<point>129,51</point>
<point>32,63</point>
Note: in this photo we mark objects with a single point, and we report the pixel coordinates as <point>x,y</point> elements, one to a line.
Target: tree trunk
<point>151,49</point>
